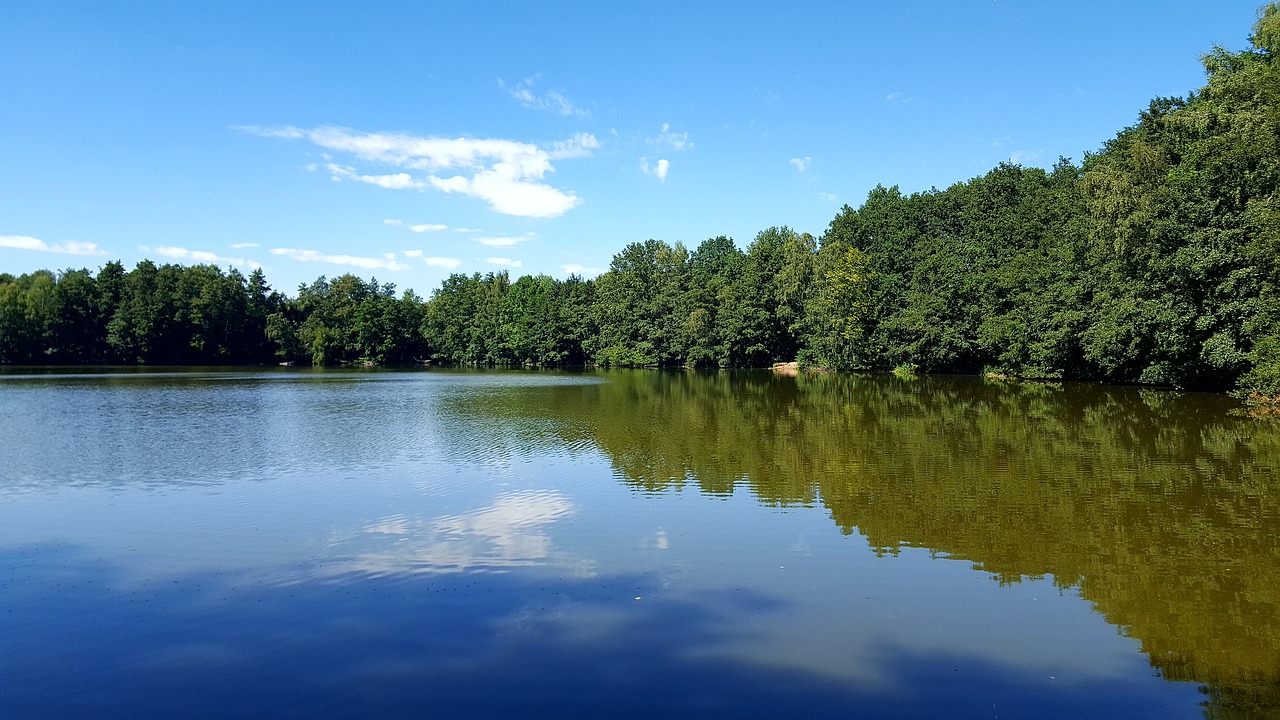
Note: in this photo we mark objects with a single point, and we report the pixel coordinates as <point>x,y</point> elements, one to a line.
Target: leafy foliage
<point>1156,260</point>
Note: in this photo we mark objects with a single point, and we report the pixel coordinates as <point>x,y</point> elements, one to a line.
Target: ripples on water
<point>631,543</point>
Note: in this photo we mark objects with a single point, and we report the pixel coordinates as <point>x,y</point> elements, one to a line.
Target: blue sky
<point>409,140</point>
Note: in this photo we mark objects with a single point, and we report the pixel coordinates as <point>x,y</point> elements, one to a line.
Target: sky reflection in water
<point>470,544</point>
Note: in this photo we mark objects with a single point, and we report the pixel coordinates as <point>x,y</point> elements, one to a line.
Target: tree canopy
<point>1154,260</point>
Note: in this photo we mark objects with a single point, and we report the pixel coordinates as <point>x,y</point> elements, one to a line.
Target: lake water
<point>459,544</point>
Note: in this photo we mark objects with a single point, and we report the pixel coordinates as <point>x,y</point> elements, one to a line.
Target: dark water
<point>452,544</point>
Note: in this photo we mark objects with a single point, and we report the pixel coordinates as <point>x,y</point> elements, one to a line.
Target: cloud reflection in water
<point>512,532</point>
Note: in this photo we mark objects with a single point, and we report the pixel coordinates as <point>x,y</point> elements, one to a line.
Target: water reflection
<point>512,532</point>
<point>217,426</point>
<point>463,523</point>
<point>1162,508</point>
<point>462,646</point>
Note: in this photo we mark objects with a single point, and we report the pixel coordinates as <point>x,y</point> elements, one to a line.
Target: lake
<point>211,543</point>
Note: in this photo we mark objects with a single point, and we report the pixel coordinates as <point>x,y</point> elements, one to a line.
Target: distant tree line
<point>1156,260</point>
<point>199,315</point>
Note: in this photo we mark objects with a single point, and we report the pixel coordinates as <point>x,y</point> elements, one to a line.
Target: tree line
<point>1155,260</point>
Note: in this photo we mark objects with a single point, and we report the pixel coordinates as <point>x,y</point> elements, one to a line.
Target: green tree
<point>707,333</point>
<point>766,309</point>
<point>837,310</point>
<point>78,331</point>
<point>639,306</point>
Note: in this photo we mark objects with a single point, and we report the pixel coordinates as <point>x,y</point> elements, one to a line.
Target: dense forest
<point>1155,260</point>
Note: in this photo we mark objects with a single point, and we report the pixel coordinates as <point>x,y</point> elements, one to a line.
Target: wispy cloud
<point>413,253</point>
<point>673,140</point>
<point>550,101</point>
<point>668,140</point>
<point>447,263</point>
<point>507,174</point>
<point>396,181</point>
<point>1023,157</point>
<point>467,230</point>
<point>580,145</point>
<point>897,97</point>
<point>504,240</point>
<point>284,133</point>
<point>829,197</point>
<point>508,262</point>
<point>658,169</point>
<point>801,163</point>
<point>198,256</point>
<point>576,269</point>
<point>442,262</point>
<point>71,247</point>
<point>424,227</point>
<point>386,262</point>
<point>243,245</point>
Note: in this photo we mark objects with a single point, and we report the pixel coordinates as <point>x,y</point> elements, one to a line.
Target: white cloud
<point>658,169</point>
<point>287,133</point>
<point>829,197</point>
<point>398,181</point>
<point>506,192</point>
<point>897,97</point>
<point>667,139</point>
<point>550,101</point>
<point>576,269</point>
<point>508,262</point>
<point>71,247</point>
<point>467,230</point>
<point>579,145</point>
<point>801,163</point>
<point>387,262</point>
<point>241,246</point>
<point>413,253</point>
<point>506,174</point>
<point>424,227</point>
<point>198,256</point>
<point>442,262</point>
<point>504,240</point>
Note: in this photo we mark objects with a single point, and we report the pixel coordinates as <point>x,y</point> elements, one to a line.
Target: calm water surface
<point>450,544</point>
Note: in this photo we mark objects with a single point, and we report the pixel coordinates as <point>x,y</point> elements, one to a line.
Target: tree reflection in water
<point>1163,508</point>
